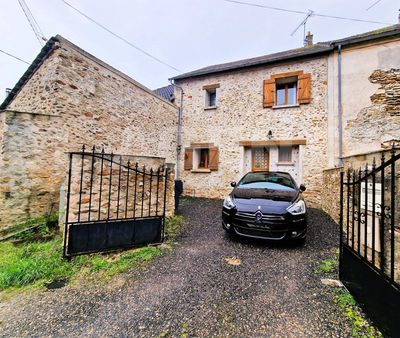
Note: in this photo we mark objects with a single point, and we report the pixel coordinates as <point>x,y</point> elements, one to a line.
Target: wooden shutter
<point>188,159</point>
<point>269,93</point>
<point>214,158</point>
<point>304,88</point>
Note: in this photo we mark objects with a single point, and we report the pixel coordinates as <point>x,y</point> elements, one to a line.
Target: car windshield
<point>270,181</point>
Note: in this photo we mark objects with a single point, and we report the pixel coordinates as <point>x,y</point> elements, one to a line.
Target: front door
<point>260,158</point>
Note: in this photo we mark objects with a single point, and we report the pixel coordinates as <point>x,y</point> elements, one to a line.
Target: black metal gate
<point>370,237</point>
<point>112,203</point>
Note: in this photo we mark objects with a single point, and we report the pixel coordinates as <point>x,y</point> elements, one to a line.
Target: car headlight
<point>228,203</point>
<point>297,208</point>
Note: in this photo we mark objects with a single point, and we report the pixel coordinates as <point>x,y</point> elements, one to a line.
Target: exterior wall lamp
<point>269,135</point>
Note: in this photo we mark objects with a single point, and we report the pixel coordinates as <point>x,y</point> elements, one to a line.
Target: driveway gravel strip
<point>194,292</point>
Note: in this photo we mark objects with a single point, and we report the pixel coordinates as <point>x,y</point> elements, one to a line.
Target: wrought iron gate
<point>370,239</point>
<point>112,203</point>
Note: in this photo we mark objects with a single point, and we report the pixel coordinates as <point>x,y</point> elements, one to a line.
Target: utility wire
<point>15,57</point>
<point>301,12</point>
<point>32,22</point>
<point>375,3</point>
<point>120,37</point>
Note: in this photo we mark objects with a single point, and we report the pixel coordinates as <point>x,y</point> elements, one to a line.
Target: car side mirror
<point>302,187</point>
<point>233,184</point>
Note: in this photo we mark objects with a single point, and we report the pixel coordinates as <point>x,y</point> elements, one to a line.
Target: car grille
<point>250,217</point>
<point>260,233</point>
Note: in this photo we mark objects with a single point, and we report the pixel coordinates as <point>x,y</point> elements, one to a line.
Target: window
<point>211,98</point>
<point>211,95</point>
<point>285,154</point>
<point>204,158</point>
<point>201,157</point>
<point>286,91</point>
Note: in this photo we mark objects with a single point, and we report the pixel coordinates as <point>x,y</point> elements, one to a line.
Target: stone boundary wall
<point>73,99</point>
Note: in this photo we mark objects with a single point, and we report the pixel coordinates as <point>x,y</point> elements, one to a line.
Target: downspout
<point>179,138</point>
<point>340,111</point>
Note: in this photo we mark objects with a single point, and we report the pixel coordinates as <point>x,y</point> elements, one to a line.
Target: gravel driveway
<point>192,291</point>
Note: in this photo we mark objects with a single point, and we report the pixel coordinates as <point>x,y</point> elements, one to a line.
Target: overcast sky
<point>187,34</point>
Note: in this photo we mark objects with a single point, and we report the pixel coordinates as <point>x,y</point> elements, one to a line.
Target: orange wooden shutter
<point>214,158</point>
<point>304,91</point>
<point>269,93</point>
<point>188,159</point>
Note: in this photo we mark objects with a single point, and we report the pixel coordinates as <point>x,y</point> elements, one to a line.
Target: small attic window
<point>211,95</point>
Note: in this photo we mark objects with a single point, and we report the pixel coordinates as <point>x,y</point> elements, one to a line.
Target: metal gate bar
<point>369,237</point>
<point>112,201</point>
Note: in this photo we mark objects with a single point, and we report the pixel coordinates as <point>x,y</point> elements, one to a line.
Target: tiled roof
<point>166,92</point>
<point>316,49</point>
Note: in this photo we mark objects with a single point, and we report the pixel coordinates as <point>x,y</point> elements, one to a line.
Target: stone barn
<point>65,99</point>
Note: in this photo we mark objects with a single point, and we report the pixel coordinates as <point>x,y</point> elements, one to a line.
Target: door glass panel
<point>260,159</point>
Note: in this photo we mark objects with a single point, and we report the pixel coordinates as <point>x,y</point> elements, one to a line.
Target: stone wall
<point>379,122</point>
<point>74,99</point>
<point>331,192</point>
<point>240,116</point>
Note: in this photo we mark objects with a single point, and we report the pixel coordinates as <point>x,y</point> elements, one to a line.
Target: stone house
<point>303,111</point>
<point>67,98</point>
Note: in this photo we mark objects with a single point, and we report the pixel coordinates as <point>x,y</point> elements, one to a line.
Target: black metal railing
<point>369,217</point>
<point>108,188</point>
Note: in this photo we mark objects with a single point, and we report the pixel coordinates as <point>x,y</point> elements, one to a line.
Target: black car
<point>267,205</point>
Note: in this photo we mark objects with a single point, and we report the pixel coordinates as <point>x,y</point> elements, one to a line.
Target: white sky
<point>187,34</point>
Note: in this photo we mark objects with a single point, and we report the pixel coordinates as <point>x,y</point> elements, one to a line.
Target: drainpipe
<point>340,111</point>
<point>179,139</point>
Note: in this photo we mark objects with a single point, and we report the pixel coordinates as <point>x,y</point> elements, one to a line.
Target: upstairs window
<point>211,95</point>
<point>211,98</point>
<point>287,89</point>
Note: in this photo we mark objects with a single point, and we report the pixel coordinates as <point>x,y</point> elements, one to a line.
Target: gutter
<point>340,109</point>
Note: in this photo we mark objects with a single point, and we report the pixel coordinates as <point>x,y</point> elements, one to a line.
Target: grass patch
<point>173,227</point>
<point>328,265</point>
<point>349,308</point>
<point>360,327</point>
<point>39,261</point>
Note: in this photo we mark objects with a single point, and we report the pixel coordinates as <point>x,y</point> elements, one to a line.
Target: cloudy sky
<point>187,34</point>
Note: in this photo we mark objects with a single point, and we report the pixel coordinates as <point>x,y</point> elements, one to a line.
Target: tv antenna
<point>303,23</point>
<point>33,23</point>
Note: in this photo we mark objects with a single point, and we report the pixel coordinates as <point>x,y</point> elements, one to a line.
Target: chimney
<point>308,41</point>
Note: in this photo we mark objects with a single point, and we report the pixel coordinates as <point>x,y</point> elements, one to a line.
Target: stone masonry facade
<point>74,99</point>
<point>239,115</point>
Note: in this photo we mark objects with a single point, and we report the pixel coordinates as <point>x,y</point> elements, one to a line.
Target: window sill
<point>210,108</point>
<point>286,106</point>
<point>285,163</point>
<point>200,170</point>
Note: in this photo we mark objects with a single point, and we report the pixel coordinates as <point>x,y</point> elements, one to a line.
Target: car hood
<point>266,200</point>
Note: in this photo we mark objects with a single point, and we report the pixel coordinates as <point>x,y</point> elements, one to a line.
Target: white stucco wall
<point>358,63</point>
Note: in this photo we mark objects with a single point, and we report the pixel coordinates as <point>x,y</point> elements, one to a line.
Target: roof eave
<point>256,64</point>
<point>34,66</point>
